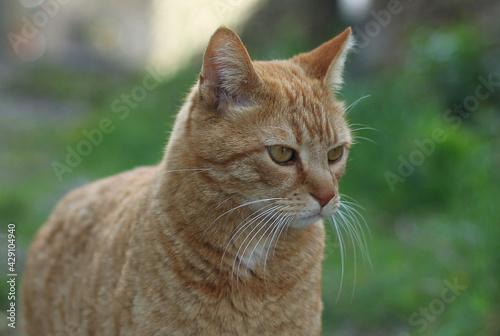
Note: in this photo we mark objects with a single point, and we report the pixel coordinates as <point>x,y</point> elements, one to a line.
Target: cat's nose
<point>323,196</point>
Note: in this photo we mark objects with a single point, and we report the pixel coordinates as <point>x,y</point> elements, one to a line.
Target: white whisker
<point>260,226</point>
<point>190,169</point>
<point>362,127</point>
<point>238,207</point>
<point>220,203</point>
<point>245,224</point>
<point>356,102</point>
<point>355,138</point>
<point>354,236</point>
<point>351,201</point>
<point>269,215</point>
<point>278,230</point>
<point>363,138</point>
<point>348,219</point>
<point>341,247</point>
<point>355,224</point>
<point>271,227</point>
<point>284,225</point>
<point>355,215</point>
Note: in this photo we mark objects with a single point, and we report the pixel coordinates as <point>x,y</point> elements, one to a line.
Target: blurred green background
<point>427,176</point>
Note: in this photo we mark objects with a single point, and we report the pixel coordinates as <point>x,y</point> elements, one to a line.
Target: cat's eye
<point>281,154</point>
<point>335,154</point>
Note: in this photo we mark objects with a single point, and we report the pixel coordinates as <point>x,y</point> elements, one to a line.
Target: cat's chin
<point>304,222</point>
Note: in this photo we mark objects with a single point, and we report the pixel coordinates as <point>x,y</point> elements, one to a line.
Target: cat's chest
<point>252,256</point>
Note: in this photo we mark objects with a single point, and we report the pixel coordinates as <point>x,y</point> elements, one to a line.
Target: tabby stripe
<point>232,158</point>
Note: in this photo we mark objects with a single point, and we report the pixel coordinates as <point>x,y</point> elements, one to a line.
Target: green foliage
<point>439,223</point>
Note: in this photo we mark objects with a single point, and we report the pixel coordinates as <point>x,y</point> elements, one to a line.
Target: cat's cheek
<point>338,172</point>
<point>276,177</point>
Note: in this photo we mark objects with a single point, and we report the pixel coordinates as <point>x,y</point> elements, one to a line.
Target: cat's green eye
<point>281,154</point>
<point>335,154</point>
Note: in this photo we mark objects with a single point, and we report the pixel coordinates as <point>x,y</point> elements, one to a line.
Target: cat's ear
<point>326,62</point>
<point>227,74</point>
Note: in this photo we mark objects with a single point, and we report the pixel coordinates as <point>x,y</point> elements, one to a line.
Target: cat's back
<point>86,237</point>
<point>88,210</point>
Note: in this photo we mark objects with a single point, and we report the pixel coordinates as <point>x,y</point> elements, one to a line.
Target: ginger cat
<point>225,235</point>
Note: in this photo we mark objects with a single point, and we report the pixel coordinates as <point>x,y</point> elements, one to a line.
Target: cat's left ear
<point>227,75</point>
<point>326,62</point>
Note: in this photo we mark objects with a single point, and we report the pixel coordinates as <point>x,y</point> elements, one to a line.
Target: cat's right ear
<point>227,75</point>
<point>326,62</point>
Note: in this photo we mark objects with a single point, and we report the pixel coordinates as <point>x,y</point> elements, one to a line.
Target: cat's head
<point>272,134</point>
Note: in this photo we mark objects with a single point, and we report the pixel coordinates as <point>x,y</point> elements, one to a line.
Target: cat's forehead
<point>303,129</point>
<point>302,108</point>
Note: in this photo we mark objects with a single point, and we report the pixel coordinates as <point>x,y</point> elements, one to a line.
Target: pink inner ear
<point>228,67</point>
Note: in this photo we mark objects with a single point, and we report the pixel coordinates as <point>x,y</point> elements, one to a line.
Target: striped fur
<point>218,239</point>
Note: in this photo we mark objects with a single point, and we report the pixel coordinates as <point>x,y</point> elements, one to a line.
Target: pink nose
<point>323,196</point>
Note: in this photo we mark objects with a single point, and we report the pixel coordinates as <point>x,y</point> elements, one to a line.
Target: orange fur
<point>218,239</point>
